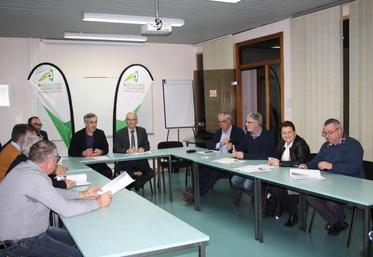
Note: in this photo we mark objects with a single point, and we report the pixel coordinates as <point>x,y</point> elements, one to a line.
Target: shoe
<point>293,219</point>
<point>188,197</point>
<point>337,228</point>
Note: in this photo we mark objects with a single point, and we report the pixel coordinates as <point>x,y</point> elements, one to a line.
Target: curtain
<point>317,84</point>
<point>361,74</point>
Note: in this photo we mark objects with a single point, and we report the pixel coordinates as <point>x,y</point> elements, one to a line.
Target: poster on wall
<point>134,94</point>
<point>51,88</point>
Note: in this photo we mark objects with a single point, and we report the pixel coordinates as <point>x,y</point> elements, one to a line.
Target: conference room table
<point>130,226</point>
<point>355,191</point>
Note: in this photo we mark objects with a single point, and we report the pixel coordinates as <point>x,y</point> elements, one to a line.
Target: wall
<point>165,61</point>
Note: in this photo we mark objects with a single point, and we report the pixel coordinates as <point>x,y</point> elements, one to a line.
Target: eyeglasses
<point>222,121</point>
<point>58,158</point>
<point>131,119</point>
<point>328,133</point>
<point>37,124</point>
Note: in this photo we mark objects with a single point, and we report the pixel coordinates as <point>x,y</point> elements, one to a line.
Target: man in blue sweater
<point>257,144</point>
<point>340,155</point>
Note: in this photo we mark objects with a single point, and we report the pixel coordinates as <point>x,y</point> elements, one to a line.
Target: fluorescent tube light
<point>89,42</point>
<point>227,1</point>
<point>128,19</point>
<point>106,37</point>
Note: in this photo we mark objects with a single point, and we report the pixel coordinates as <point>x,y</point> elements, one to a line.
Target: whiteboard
<point>95,95</point>
<point>178,99</point>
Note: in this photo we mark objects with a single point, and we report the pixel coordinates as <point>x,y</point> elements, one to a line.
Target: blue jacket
<point>259,148</point>
<point>346,157</point>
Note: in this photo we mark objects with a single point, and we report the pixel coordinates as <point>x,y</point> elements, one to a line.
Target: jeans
<point>54,242</point>
<point>245,184</point>
<point>331,211</point>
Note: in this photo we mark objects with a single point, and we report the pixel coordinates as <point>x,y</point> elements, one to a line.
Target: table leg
<point>202,250</point>
<point>197,206</point>
<point>258,210</point>
<point>155,177</point>
<point>366,231</point>
<point>302,212</point>
<point>169,175</point>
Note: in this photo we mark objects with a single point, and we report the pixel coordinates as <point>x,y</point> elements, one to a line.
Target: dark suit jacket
<point>299,152</point>
<point>78,142</point>
<point>44,134</point>
<point>259,148</point>
<point>122,142</point>
<point>236,136</point>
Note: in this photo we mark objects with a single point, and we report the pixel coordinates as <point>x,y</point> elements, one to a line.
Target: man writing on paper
<point>26,198</point>
<point>90,142</point>
<point>133,139</point>
<point>341,155</point>
<point>257,144</point>
<point>225,140</point>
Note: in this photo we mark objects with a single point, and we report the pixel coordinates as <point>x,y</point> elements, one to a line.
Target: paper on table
<point>255,168</point>
<point>117,184</point>
<point>228,160</point>
<point>79,179</point>
<point>305,174</point>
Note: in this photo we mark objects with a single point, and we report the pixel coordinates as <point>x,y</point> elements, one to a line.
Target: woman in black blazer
<point>291,151</point>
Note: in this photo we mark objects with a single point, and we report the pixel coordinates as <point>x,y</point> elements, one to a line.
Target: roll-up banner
<point>133,87</point>
<point>51,87</point>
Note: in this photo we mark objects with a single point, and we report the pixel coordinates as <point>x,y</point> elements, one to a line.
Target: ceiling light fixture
<point>227,1</point>
<point>128,19</point>
<point>106,37</point>
<point>88,42</point>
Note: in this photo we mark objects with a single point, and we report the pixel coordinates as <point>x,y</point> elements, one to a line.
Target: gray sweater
<point>27,196</point>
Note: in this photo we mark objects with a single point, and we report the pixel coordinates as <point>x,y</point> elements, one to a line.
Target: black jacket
<point>78,142</point>
<point>236,136</point>
<point>299,152</point>
<point>122,142</point>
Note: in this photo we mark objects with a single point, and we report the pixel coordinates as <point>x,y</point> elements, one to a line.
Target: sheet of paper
<point>79,179</point>
<point>305,174</point>
<point>255,168</point>
<point>228,160</point>
<point>117,184</point>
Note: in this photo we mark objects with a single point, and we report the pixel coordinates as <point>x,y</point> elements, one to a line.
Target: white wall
<point>280,26</point>
<point>165,61</point>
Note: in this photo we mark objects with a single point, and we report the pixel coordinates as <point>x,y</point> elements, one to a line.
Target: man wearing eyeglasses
<point>35,122</point>
<point>133,139</point>
<point>341,155</point>
<point>26,199</point>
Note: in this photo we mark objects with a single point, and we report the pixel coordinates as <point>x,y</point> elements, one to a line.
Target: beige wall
<point>165,61</point>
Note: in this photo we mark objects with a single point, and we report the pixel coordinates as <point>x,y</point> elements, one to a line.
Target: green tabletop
<point>130,226</point>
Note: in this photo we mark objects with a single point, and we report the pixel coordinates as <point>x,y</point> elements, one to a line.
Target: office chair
<point>368,170</point>
<point>176,163</point>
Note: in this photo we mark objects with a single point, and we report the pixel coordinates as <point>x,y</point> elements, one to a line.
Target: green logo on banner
<point>134,76</point>
<point>48,74</point>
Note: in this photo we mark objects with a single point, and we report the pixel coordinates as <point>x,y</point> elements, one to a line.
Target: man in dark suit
<point>226,139</point>
<point>34,121</point>
<point>91,142</point>
<point>133,139</point>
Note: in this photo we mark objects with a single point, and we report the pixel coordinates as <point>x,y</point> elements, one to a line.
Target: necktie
<point>132,139</point>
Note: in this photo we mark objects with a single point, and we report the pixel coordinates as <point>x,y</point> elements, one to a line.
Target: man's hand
<point>302,166</point>
<point>90,193</point>
<point>60,170</point>
<point>97,152</point>
<point>69,183</point>
<point>273,161</point>
<point>87,153</point>
<point>140,150</point>
<point>104,200</point>
<point>238,154</point>
<point>224,142</point>
<point>131,150</point>
<point>325,165</point>
<point>229,146</point>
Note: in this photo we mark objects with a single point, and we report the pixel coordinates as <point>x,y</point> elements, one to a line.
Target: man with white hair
<point>225,140</point>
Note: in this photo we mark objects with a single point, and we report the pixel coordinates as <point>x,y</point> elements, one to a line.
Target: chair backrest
<point>169,144</point>
<point>368,169</point>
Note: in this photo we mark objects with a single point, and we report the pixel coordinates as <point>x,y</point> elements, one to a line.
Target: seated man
<point>26,198</point>
<point>257,144</point>
<point>12,149</point>
<point>226,139</point>
<point>34,121</point>
<point>133,139</point>
<point>341,155</point>
<point>90,142</point>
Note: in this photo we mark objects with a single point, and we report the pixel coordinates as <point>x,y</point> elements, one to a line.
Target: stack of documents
<point>305,174</point>
<point>255,168</point>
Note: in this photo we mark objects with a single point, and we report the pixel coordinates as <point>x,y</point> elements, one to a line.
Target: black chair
<point>368,170</point>
<point>176,163</point>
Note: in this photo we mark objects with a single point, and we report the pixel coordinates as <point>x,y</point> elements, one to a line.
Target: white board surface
<point>178,103</point>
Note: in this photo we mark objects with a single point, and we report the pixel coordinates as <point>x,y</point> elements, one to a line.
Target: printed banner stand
<point>51,87</point>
